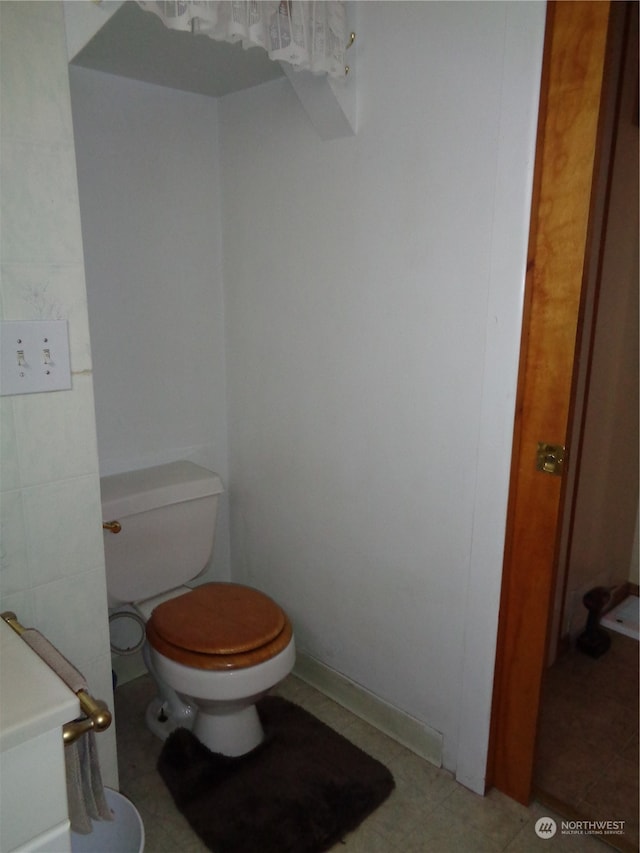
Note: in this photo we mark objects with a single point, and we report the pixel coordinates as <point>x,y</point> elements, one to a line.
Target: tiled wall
<point>52,560</point>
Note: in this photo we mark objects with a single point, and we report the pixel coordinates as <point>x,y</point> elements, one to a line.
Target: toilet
<point>213,650</point>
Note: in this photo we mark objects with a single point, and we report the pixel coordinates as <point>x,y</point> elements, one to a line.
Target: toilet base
<point>223,702</point>
<point>231,732</point>
<point>229,728</point>
<point>166,711</point>
<point>161,722</point>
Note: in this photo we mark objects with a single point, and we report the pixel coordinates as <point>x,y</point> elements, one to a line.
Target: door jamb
<point>576,45</point>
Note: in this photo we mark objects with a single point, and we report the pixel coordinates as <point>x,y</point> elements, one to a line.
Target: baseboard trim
<point>407,730</point>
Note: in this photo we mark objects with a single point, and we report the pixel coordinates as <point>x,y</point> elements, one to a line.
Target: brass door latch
<point>550,458</point>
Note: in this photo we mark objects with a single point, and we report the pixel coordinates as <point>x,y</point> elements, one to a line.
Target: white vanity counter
<point>34,705</point>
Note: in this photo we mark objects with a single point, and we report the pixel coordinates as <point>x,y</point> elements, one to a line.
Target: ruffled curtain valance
<point>308,35</point>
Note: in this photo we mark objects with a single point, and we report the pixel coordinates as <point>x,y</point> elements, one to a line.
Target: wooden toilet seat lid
<point>219,619</point>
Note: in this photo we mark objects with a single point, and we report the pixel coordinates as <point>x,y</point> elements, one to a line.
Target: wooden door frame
<point>568,212</point>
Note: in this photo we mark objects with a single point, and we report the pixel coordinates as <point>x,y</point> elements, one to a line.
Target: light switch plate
<point>34,356</point>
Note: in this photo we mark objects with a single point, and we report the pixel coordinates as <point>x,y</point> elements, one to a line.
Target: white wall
<point>151,219</point>
<point>82,21</point>
<point>52,560</point>
<point>373,291</point>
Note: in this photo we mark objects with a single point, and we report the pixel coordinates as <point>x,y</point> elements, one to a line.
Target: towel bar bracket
<point>98,718</point>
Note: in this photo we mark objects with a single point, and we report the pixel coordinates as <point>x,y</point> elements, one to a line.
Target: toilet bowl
<point>212,650</point>
<point>220,647</point>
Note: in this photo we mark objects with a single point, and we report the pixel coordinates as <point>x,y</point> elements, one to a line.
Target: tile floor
<point>428,811</point>
<point>587,757</point>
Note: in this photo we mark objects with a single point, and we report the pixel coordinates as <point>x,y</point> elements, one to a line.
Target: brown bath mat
<point>300,791</point>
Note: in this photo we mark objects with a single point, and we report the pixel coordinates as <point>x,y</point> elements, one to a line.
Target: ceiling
<point>136,44</point>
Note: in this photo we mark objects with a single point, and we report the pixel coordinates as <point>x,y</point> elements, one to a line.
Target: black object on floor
<point>595,641</point>
<point>300,791</point>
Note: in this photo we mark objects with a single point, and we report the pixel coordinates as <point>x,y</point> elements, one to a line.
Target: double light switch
<point>34,356</point>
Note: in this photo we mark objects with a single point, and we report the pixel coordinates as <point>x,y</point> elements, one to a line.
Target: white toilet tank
<point>168,517</point>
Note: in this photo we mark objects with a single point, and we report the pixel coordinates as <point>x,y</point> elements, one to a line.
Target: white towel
<point>85,791</point>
